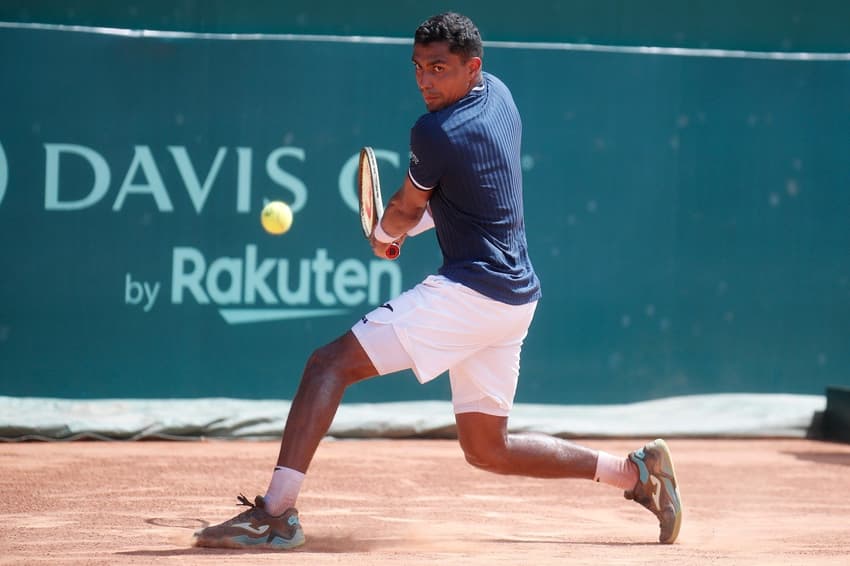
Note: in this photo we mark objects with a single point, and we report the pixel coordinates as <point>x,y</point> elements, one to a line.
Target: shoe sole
<point>233,543</point>
<point>673,490</point>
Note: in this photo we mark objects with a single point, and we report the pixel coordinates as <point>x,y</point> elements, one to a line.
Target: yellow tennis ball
<point>276,217</point>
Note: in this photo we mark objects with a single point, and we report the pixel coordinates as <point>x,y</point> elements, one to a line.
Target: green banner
<point>687,214</point>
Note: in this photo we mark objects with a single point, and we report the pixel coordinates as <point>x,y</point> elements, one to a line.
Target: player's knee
<point>317,362</point>
<point>487,458</point>
<point>320,367</point>
<point>327,365</point>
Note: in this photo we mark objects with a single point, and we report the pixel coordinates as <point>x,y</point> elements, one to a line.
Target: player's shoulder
<point>426,121</point>
<point>429,126</point>
<point>492,80</point>
<point>497,87</point>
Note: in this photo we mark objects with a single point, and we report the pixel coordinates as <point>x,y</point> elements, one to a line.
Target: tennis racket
<point>371,203</point>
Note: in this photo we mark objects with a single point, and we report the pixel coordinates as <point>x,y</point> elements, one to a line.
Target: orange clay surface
<point>404,502</point>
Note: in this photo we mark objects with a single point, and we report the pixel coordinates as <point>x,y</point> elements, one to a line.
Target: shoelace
<point>244,501</point>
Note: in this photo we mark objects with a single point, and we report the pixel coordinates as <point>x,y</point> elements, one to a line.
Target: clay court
<point>398,502</point>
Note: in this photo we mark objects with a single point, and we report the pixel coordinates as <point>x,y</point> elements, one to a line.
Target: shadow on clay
<point>836,458</point>
<point>346,544</point>
<point>315,544</point>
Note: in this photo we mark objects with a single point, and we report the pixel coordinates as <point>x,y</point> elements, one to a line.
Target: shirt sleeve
<point>427,161</point>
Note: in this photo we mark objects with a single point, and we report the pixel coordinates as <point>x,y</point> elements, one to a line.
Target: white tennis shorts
<point>442,325</point>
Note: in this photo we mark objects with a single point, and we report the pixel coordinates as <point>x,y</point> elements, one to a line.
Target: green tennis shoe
<point>657,488</point>
<point>254,528</point>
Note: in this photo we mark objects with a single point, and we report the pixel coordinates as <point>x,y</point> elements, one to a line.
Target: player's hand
<point>380,248</point>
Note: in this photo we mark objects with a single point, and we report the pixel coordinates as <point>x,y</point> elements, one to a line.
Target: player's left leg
<point>647,476</point>
<point>483,387</point>
<point>487,444</point>
<point>657,488</point>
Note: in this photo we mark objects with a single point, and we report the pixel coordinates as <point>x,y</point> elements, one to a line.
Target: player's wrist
<point>382,236</point>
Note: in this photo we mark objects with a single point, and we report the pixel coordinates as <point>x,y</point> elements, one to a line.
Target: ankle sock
<point>616,471</point>
<point>283,490</point>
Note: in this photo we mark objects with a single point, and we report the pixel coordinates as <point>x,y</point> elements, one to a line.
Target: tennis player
<point>470,319</point>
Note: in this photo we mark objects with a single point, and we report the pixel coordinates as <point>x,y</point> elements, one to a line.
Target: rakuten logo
<point>255,289</point>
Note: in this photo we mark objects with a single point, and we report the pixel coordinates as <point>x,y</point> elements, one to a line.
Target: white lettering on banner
<point>136,292</point>
<point>243,179</point>
<point>231,269</point>
<point>197,192</point>
<point>143,159</point>
<point>248,281</point>
<point>4,173</point>
<point>51,176</point>
<point>144,177</point>
<point>287,180</point>
<point>255,278</point>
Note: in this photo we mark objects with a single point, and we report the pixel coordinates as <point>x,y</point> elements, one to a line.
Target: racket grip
<point>393,251</point>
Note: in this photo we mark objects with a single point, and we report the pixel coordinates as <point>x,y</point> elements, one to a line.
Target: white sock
<point>283,490</point>
<point>616,471</point>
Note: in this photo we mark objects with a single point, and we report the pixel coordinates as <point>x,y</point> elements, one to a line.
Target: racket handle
<point>393,251</point>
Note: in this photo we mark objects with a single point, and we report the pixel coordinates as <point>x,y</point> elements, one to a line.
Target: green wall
<point>773,25</point>
<point>687,214</point>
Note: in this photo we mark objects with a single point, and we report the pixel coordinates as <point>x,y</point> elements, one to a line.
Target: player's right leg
<point>329,371</point>
<point>254,528</point>
<point>271,522</point>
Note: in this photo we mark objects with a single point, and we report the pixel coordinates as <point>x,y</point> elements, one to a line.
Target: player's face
<point>443,77</point>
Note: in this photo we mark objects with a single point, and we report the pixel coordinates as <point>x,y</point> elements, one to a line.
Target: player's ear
<point>473,64</point>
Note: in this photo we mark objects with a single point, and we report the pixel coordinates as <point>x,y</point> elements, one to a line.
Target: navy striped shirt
<point>469,155</point>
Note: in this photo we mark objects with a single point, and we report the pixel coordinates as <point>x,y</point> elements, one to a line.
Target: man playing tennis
<point>470,319</point>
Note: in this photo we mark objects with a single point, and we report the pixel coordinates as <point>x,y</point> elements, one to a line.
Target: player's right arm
<point>402,213</point>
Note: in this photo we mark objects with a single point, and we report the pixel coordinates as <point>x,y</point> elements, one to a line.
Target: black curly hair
<point>455,29</point>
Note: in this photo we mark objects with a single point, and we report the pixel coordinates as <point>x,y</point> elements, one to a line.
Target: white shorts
<point>442,325</point>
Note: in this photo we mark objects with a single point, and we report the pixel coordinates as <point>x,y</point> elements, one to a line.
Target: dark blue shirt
<point>469,155</point>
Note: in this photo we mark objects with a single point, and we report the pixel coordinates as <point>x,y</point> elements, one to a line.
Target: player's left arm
<point>403,212</point>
